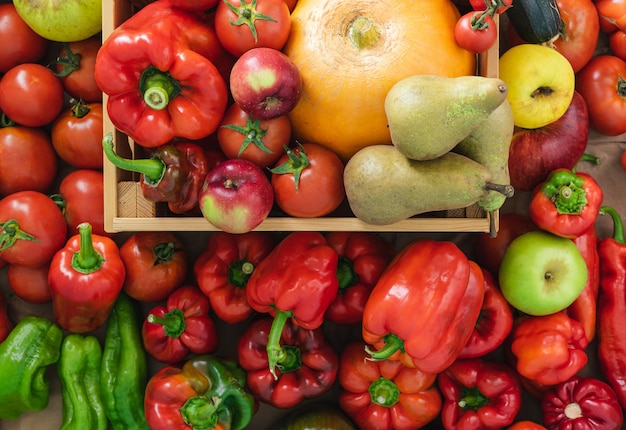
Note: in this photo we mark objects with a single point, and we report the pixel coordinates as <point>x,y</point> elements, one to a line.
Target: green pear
<point>489,145</point>
<point>383,186</point>
<point>428,115</point>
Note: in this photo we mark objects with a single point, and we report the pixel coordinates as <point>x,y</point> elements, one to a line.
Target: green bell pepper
<point>32,346</point>
<point>79,373</point>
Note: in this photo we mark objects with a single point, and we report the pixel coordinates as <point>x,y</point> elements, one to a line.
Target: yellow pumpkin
<point>351,52</point>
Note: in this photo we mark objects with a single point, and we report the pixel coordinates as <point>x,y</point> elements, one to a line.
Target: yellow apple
<point>541,84</point>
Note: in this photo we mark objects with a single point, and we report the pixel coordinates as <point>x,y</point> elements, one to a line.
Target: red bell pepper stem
<point>153,169</point>
<point>86,259</point>
<point>392,344</point>
<point>618,225</point>
<point>384,392</point>
<point>472,399</point>
<point>173,322</point>
<point>276,354</point>
<point>200,412</point>
<point>345,273</point>
<point>239,273</point>
<point>158,88</point>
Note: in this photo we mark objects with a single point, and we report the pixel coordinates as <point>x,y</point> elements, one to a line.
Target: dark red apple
<point>265,83</point>
<point>535,153</point>
<point>236,196</point>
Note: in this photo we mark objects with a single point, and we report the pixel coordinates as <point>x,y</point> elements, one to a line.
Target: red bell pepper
<point>363,257</point>
<point>6,325</point>
<point>566,203</point>
<point>479,394</point>
<point>308,370</point>
<point>385,395</point>
<point>85,278</point>
<point>584,307</point>
<point>581,403</point>
<point>425,306</point>
<point>157,71</point>
<point>297,281</point>
<point>206,392</point>
<point>494,323</point>
<point>174,173</point>
<point>549,349</point>
<point>612,307</point>
<point>180,327</point>
<point>222,271</point>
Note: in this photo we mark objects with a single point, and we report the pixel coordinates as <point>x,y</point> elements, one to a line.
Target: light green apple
<point>541,84</point>
<point>62,20</point>
<point>542,273</point>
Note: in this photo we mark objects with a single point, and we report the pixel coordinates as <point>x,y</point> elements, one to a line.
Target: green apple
<point>62,20</point>
<point>542,273</point>
<point>541,84</point>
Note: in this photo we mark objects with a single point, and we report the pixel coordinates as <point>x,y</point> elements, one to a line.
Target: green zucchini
<point>535,21</point>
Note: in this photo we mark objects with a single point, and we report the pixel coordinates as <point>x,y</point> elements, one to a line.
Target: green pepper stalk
<point>158,88</point>
<point>287,359</point>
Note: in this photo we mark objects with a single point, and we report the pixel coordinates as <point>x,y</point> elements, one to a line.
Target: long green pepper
<point>79,373</point>
<point>32,346</point>
<point>123,374</point>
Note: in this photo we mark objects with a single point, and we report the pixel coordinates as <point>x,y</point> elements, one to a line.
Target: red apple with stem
<point>236,196</point>
<point>533,154</point>
<point>265,83</point>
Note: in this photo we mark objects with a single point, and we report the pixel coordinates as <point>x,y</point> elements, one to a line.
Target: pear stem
<point>506,190</point>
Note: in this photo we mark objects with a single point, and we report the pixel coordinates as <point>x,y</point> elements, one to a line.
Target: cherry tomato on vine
<point>20,44</point>
<point>75,65</point>
<point>244,24</point>
<point>602,83</point>
<point>31,95</point>
<point>259,141</point>
<point>27,160</point>
<point>77,133</point>
<point>476,32</point>
<point>308,181</point>
<point>30,283</point>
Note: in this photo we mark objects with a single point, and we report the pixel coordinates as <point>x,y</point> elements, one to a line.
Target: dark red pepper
<point>6,325</point>
<point>180,327</point>
<point>308,370</point>
<point>173,173</point>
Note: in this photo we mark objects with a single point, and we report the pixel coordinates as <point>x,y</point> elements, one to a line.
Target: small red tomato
<point>308,181</point>
<point>617,43</point>
<point>75,66</point>
<point>259,141</point>
<point>82,194</point>
<point>612,15</point>
<point>20,44</point>
<point>624,160</point>
<point>475,32</point>
<point>482,5</point>
<point>30,283</point>
<point>27,160</point>
<point>31,95</point>
<point>77,135</point>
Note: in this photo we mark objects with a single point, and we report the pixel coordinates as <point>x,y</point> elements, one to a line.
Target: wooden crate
<point>125,208</point>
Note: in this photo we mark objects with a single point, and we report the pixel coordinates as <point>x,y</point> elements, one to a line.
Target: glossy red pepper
<point>385,395</point>
<point>157,70</point>
<point>6,325</point>
<point>566,203</point>
<point>174,173</point>
<point>180,327</point>
<point>297,281</point>
<point>308,370</point>
<point>363,257</point>
<point>612,307</point>
<point>581,403</point>
<point>494,323</point>
<point>222,271</point>
<point>85,278</point>
<point>479,394</point>
<point>584,307</point>
<point>549,349</point>
<point>425,306</point>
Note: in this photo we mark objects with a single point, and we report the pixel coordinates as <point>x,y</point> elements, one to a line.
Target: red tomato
<point>612,15</point>
<point>242,25</point>
<point>27,160</point>
<point>20,44</point>
<point>30,283</point>
<point>623,160</point>
<point>617,43</point>
<point>75,65</point>
<point>31,95</point>
<point>291,4</point>
<point>259,141</point>
<point>579,35</point>
<point>319,189</point>
<point>603,86</point>
<point>82,195</point>
<point>526,425</point>
<point>474,36</point>
<point>156,264</point>
<point>32,228</point>
<point>77,135</point>
<point>482,5</point>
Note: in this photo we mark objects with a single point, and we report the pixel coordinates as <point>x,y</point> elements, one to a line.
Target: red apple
<point>265,83</point>
<point>533,154</point>
<point>236,196</point>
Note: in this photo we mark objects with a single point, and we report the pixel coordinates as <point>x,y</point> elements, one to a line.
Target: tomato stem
<point>247,15</point>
